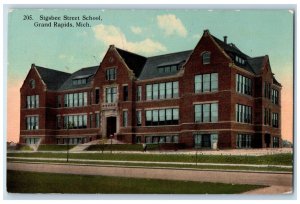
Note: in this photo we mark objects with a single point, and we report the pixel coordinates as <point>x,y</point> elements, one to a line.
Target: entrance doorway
<point>267,140</point>
<point>111,126</point>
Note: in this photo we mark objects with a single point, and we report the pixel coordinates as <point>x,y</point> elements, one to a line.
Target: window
<point>267,116</point>
<point>155,91</point>
<point>79,81</point>
<point>58,121</point>
<point>275,120</point>
<point>169,90</point>
<point>206,83</point>
<point>162,139</point>
<point>239,60</point>
<point>32,101</point>
<point>275,142</point>
<point>243,141</point>
<point>139,93</point>
<point>267,90</point>
<point>206,112</point>
<point>138,139</point>
<point>97,121</point>
<point>275,96</point>
<point>175,89</point>
<point>75,99</point>
<point>75,121</point>
<point>168,68</point>
<point>243,113</point>
<point>206,58</point>
<point>204,140</point>
<point>111,74</point>
<point>70,102</point>
<point>97,94</point>
<point>59,101</point>
<point>32,83</point>
<point>91,120</point>
<point>138,118</point>
<point>125,93</point>
<point>32,122</point>
<point>243,85</point>
<point>85,98</point>
<point>168,116</point>
<point>66,100</point>
<point>162,90</point>
<point>125,118</point>
<point>31,140</point>
<point>149,91</point>
<point>111,95</point>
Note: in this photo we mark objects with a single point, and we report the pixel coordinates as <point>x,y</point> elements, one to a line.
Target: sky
<point>146,32</point>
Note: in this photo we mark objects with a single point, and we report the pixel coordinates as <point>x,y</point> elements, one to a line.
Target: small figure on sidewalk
<point>144,147</point>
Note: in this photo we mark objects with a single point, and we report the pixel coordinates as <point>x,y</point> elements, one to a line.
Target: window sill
<point>207,92</point>
<point>154,100</point>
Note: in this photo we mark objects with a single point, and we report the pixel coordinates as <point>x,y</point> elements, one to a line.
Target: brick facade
<point>51,130</point>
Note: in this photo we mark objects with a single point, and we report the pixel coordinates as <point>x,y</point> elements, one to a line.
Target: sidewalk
<point>150,162</point>
<point>233,152</point>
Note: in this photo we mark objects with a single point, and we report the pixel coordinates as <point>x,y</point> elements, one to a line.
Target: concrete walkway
<point>267,179</point>
<point>151,162</point>
<point>271,190</point>
<point>233,152</point>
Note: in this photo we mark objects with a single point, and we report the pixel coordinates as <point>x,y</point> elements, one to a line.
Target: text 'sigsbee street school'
<point>54,21</point>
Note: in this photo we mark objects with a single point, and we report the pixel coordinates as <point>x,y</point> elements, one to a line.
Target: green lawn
<point>33,182</point>
<point>278,159</point>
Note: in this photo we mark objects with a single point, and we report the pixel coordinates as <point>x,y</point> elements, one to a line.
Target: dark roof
<point>256,63</point>
<point>52,78</point>
<point>87,72</point>
<point>253,65</point>
<point>134,61</point>
<point>150,69</point>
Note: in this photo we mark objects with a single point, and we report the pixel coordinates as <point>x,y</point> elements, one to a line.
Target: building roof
<point>147,68</point>
<point>87,73</point>
<point>52,78</point>
<point>134,61</point>
<point>150,69</point>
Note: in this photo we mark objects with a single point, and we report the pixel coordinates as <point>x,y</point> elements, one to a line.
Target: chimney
<point>206,32</point>
<point>225,39</point>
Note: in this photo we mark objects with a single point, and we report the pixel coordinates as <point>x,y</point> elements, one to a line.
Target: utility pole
<point>111,136</point>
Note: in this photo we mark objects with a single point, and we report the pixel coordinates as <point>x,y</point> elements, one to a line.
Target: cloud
<point>110,34</point>
<point>171,25</point>
<point>136,29</point>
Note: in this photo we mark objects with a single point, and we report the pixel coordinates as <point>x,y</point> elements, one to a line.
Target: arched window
<point>206,58</point>
<point>32,83</point>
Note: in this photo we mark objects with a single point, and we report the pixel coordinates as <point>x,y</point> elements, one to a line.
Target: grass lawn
<point>278,159</point>
<point>33,182</point>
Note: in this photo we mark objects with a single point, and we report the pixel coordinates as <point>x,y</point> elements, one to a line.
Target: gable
<point>33,75</point>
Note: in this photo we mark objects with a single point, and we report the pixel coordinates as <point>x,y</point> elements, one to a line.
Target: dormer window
<point>79,80</point>
<point>32,83</point>
<point>168,69</point>
<point>206,58</point>
<point>239,60</point>
<point>111,74</point>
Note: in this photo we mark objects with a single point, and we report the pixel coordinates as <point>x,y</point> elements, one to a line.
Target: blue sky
<point>148,32</point>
